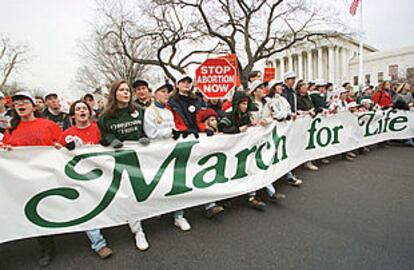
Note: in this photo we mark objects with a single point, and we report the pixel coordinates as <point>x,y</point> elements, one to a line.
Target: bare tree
<point>175,42</point>
<point>256,30</point>
<point>184,32</point>
<point>100,64</point>
<point>12,57</point>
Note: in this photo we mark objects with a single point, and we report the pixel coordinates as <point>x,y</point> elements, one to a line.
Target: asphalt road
<point>348,215</point>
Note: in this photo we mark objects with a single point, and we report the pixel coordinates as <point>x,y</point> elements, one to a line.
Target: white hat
<point>366,100</point>
<point>182,77</point>
<point>24,94</point>
<point>256,84</point>
<point>342,90</point>
<point>320,82</point>
<point>367,87</point>
<point>1,95</point>
<point>273,83</point>
<point>289,75</point>
<point>161,85</point>
<point>50,93</point>
<point>352,104</point>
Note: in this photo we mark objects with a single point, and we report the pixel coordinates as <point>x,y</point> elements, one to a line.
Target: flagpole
<point>361,50</point>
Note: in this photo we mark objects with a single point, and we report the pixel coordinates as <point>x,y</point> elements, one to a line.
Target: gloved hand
<point>144,141</point>
<point>175,134</point>
<point>209,132</point>
<point>116,144</point>
<point>70,145</point>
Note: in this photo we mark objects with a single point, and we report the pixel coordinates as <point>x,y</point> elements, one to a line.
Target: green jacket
<point>232,121</point>
<point>125,126</point>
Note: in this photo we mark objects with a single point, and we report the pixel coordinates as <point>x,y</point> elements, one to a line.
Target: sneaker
<point>214,211</point>
<point>256,204</point>
<point>141,241</point>
<point>351,154</point>
<point>366,149</point>
<point>325,161</point>
<point>277,197</point>
<point>348,157</point>
<point>104,252</point>
<point>310,166</point>
<point>182,223</point>
<point>294,181</point>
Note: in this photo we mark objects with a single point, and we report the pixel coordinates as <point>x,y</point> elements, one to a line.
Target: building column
<point>300,66</point>
<point>331,64</point>
<point>320,75</point>
<point>345,65</point>
<point>290,63</point>
<point>310,65</point>
<point>282,67</point>
<point>338,66</point>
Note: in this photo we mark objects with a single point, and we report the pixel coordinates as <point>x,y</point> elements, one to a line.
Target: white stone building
<point>336,60</point>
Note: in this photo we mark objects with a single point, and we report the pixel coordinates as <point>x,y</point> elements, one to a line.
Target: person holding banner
<point>262,117</point>
<point>5,116</point>
<point>305,106</point>
<point>84,132</point>
<point>186,108</point>
<point>159,124</point>
<point>288,92</point>
<point>123,121</point>
<point>26,129</point>
<point>238,121</point>
<point>281,111</point>
<point>382,96</point>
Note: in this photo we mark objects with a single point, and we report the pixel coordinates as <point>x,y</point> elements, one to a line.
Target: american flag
<point>353,7</point>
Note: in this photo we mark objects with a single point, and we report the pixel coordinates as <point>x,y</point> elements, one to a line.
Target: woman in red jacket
<point>382,96</point>
<point>28,130</point>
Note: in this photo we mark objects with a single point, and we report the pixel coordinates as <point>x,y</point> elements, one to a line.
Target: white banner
<point>47,191</point>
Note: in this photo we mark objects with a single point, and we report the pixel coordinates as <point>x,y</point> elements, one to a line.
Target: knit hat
<point>23,94</point>
<point>208,113</point>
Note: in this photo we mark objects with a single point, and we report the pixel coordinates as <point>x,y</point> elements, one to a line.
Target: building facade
<point>336,60</point>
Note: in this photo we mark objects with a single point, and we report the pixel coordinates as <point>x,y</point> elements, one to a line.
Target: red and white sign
<point>215,78</point>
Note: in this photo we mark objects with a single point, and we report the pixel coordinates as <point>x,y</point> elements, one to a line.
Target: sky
<point>53,28</point>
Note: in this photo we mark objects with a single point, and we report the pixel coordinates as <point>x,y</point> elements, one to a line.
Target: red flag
<point>353,7</point>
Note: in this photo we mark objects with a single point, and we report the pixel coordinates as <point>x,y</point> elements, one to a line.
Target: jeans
<point>210,205</point>
<point>135,226</point>
<point>179,214</point>
<point>289,175</point>
<point>270,189</point>
<point>97,239</point>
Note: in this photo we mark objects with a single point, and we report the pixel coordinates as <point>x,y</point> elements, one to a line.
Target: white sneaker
<point>141,241</point>
<point>310,166</point>
<point>182,223</point>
